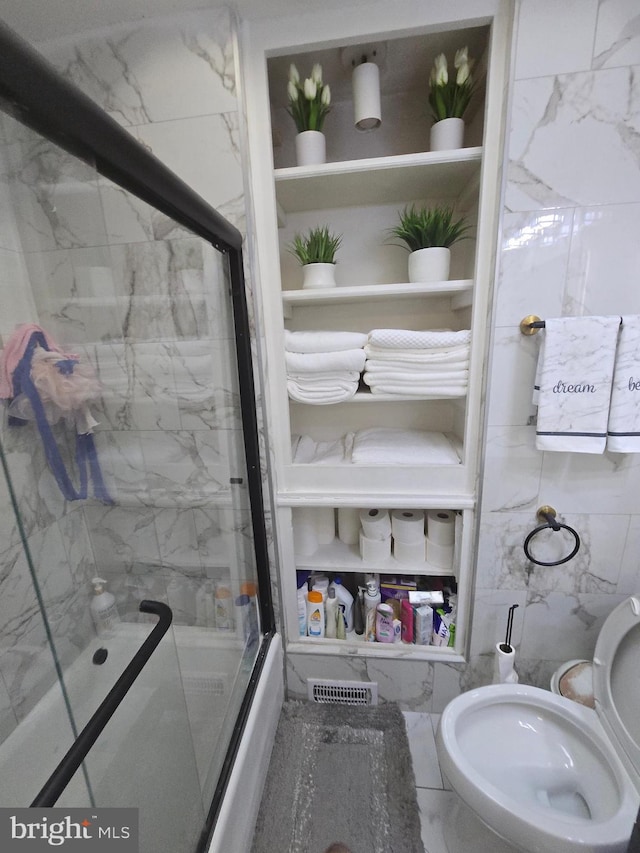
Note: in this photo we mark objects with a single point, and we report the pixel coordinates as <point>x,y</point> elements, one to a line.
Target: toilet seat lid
<point>616,686</point>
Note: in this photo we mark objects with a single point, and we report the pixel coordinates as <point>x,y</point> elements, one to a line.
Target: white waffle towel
<point>623,430</point>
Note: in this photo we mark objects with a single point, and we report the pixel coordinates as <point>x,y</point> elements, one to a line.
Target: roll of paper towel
<point>407,525</point>
<point>349,525</point>
<point>440,556</point>
<point>376,523</point>
<point>503,670</point>
<point>305,537</point>
<point>325,524</point>
<point>441,526</point>
<point>374,550</point>
<point>409,552</point>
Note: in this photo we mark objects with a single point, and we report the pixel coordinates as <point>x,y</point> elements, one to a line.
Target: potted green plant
<point>309,104</point>
<point>429,233</point>
<point>449,97</point>
<point>316,251</point>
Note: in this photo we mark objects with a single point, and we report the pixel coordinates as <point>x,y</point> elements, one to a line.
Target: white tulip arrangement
<point>309,101</point>
<point>449,96</point>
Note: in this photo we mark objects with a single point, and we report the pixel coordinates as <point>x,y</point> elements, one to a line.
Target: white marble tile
<point>123,467</point>
<point>561,126</point>
<point>490,616</point>
<point>533,265</point>
<point>512,372</point>
<point>592,483</point>
<point>558,626</point>
<point>604,260</point>
<point>128,219</point>
<point>122,537</point>
<point>18,305</point>
<point>177,540</point>
<point>434,807</point>
<point>617,39</point>
<point>423,750</point>
<point>501,562</point>
<point>155,70</point>
<point>629,579</point>
<point>566,30</point>
<point>512,469</point>
<point>8,719</point>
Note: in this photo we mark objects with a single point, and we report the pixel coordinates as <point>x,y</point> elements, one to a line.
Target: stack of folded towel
<point>408,363</point>
<point>323,367</point>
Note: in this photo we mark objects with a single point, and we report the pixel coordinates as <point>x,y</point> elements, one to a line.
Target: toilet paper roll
<point>441,526</point>
<point>305,537</point>
<point>503,668</point>
<point>409,552</point>
<point>407,525</point>
<point>325,517</point>
<point>374,550</point>
<point>440,556</point>
<point>349,525</point>
<point>376,523</point>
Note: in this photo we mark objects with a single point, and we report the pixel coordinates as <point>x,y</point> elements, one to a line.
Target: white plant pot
<point>318,276</point>
<point>429,264</point>
<point>447,134</point>
<point>310,148</point>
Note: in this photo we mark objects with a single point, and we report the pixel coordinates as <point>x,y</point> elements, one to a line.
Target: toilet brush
<point>503,671</point>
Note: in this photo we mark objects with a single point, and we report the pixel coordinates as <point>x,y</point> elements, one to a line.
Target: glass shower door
<point>137,478</point>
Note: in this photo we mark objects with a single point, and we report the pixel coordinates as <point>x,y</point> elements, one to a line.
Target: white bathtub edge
<point>236,820</point>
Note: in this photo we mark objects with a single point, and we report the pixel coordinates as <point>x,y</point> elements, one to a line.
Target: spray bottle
<point>371,601</point>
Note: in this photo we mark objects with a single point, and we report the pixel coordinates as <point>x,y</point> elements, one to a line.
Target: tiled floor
<point>434,799</point>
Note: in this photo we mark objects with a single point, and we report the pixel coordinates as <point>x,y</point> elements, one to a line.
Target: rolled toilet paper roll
<point>407,525</point>
<point>376,523</point>
<point>440,556</point>
<point>441,526</point>
<point>409,552</point>
<point>503,669</point>
<point>325,517</point>
<point>305,537</point>
<point>374,550</point>
<point>349,525</point>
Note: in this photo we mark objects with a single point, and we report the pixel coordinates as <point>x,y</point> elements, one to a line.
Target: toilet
<point>536,772</point>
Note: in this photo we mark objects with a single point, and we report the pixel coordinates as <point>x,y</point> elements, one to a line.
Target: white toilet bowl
<point>543,773</point>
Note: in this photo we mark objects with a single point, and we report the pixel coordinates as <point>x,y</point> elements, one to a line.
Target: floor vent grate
<point>326,691</point>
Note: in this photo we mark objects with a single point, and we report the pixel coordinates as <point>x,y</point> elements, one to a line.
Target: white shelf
<point>355,646</point>
<point>375,292</point>
<point>346,558</point>
<point>401,178</point>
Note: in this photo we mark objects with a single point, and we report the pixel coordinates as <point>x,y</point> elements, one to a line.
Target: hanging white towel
<point>575,373</point>
<point>623,431</point>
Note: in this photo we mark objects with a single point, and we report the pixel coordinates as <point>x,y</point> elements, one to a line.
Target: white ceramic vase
<point>318,276</point>
<point>446,134</point>
<point>310,148</point>
<point>429,264</point>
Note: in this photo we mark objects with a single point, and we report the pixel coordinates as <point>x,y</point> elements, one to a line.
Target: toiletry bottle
<point>250,624</point>
<point>384,623</point>
<point>345,602</point>
<point>302,609</point>
<point>331,614</point>
<point>371,601</point>
<point>358,612</point>
<point>103,608</point>
<point>223,603</point>
<point>315,614</point>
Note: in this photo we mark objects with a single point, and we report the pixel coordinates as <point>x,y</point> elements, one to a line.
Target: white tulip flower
<point>440,68</point>
<point>325,98</point>
<point>294,77</point>
<point>316,74</point>
<point>292,91</point>
<point>462,57</point>
<point>464,73</point>
<point>310,89</point>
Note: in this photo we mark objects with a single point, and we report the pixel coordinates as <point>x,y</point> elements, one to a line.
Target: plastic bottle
<point>315,614</point>
<point>331,614</point>
<point>223,604</point>
<point>358,612</point>
<point>371,601</point>
<point>103,608</point>
<point>384,623</point>
<point>345,602</point>
<point>302,609</point>
<point>321,584</point>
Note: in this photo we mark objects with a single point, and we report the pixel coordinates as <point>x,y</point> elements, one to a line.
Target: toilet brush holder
<point>503,669</point>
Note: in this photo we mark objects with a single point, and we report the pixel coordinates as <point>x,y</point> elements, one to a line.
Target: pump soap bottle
<point>103,608</point>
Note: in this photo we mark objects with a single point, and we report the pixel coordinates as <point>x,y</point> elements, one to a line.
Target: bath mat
<point>339,774</point>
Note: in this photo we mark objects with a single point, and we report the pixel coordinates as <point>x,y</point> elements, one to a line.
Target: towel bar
<point>549,514</point>
<point>530,324</point>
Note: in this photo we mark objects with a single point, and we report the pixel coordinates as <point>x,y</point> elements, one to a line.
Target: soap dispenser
<point>103,608</point>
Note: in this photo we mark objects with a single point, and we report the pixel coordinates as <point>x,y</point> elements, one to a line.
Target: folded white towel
<point>323,341</point>
<point>453,389</point>
<point>575,375</point>
<point>407,339</point>
<point>321,395</point>
<point>445,355</point>
<point>374,369</point>
<point>316,362</point>
<point>388,446</point>
<point>324,376</point>
<point>407,379</point>
<point>623,430</point>
<point>307,451</point>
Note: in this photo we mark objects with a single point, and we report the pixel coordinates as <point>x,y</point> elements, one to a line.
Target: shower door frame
<point>32,92</point>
